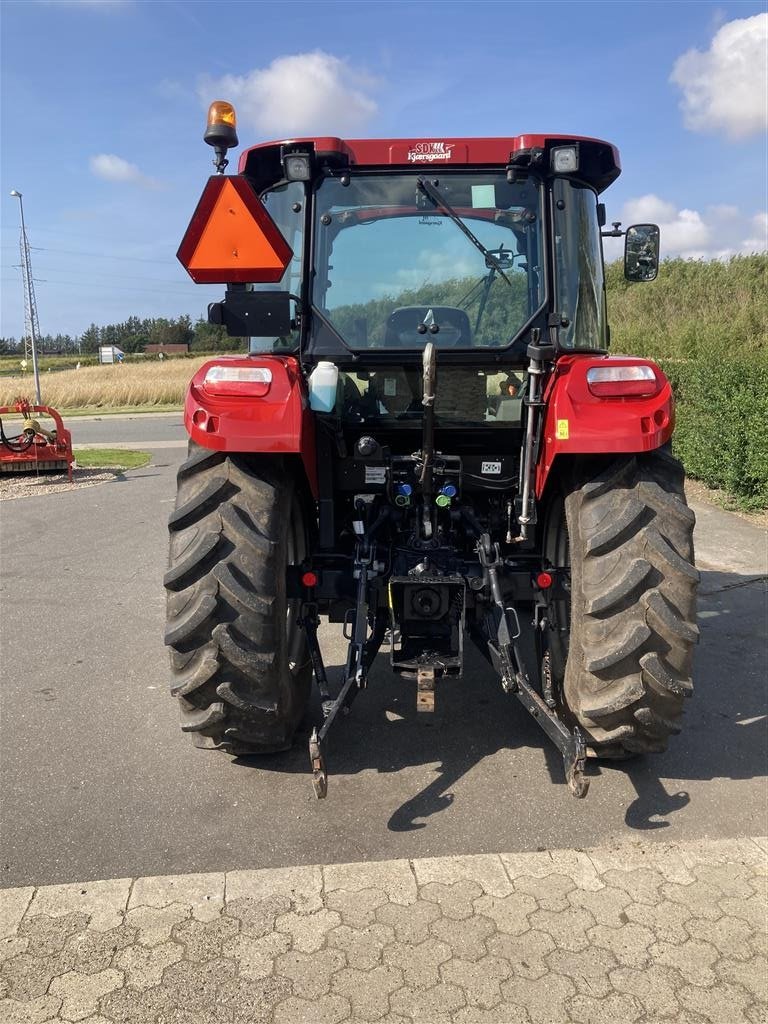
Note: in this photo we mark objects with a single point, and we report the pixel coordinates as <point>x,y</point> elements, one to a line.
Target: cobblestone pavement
<point>637,933</point>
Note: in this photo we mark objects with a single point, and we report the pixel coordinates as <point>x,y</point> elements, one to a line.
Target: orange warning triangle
<point>232,238</point>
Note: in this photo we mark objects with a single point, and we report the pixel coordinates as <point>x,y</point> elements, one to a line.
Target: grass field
<point>119,385</point>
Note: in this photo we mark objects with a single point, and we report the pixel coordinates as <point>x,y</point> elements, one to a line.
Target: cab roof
<point>599,162</point>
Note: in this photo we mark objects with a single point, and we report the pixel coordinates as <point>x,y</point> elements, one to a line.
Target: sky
<point>104,102</point>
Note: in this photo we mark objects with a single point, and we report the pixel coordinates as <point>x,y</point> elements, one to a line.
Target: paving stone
<point>257,916</point>
<point>568,927</point>
<point>466,938</point>
<point>550,892</point>
<point>255,958</point>
<point>310,973</point>
<point>667,920</point>
<point>308,931</point>
<point>574,863</point>
<point>11,946</point>
<point>607,905</point>
<point>95,951</point>
<point>509,913</point>
<point>615,1007</point>
<point>368,991</point>
<point>762,843</point>
<point>154,924</point>
<point>363,947</point>
<point>13,906</point>
<point>202,893</point>
<point>503,1013</point>
<point>480,980</point>
<point>721,1004</point>
<point>252,1001</point>
<point>143,966</point>
<point>28,977</point>
<point>629,944</point>
<point>103,902</point>
<point>455,901</point>
<point>49,935</point>
<point>80,993</point>
<point>756,1014</point>
<point>665,858</point>
<point>434,1005</point>
<point>753,910</point>
<point>693,959</point>
<point>197,986</point>
<point>394,877</point>
<point>357,909</point>
<point>699,897</point>
<point>303,886</point>
<point>419,964</point>
<point>410,924</point>
<point>729,879</point>
<point>588,970</point>
<point>642,885</point>
<point>751,975</point>
<point>487,870</point>
<point>543,999</point>
<point>35,1011</point>
<point>722,851</point>
<point>730,935</point>
<point>654,987</point>
<point>202,940</point>
<point>526,953</point>
<point>330,1009</point>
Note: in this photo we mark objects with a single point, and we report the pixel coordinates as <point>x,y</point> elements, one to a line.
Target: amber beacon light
<point>221,131</point>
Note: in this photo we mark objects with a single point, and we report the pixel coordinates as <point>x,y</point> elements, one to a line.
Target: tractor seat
<point>453,326</point>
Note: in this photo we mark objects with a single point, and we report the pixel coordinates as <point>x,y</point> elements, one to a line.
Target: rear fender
<point>576,422</point>
<point>271,419</point>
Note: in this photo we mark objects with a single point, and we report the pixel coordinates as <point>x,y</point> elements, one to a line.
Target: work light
<point>565,159</point>
<point>297,166</point>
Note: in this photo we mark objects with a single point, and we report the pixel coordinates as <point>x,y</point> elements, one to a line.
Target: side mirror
<point>641,252</point>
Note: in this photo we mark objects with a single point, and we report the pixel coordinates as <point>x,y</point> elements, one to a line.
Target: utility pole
<point>31,326</point>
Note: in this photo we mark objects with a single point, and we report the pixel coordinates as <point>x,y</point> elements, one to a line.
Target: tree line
<point>132,336</point>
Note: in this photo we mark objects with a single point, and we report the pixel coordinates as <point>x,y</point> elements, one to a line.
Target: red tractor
<point>426,441</point>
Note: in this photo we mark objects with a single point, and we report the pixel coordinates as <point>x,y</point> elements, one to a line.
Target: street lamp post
<point>30,309</point>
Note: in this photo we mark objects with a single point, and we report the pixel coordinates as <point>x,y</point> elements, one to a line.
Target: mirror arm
<point>616,233</point>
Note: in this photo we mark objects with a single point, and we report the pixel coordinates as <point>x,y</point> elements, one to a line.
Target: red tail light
<point>622,381</point>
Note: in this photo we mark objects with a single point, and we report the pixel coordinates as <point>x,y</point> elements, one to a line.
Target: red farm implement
<point>35,449</point>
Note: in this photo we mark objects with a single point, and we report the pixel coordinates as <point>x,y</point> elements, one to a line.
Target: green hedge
<point>706,322</point>
<point>721,434</point>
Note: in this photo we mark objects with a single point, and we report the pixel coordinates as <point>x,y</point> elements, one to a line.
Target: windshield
<point>402,259</point>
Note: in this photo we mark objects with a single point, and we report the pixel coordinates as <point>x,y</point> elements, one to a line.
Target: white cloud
<point>759,241</point>
<point>716,233</point>
<point>725,89</point>
<point>114,168</point>
<point>304,93</point>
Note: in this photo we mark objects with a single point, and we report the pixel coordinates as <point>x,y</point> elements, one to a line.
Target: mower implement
<point>428,442</point>
<point>35,449</point>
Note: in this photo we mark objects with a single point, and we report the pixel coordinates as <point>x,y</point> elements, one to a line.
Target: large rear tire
<point>239,662</point>
<point>621,650</point>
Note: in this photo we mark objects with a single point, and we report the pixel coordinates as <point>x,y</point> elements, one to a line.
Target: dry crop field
<point>110,386</point>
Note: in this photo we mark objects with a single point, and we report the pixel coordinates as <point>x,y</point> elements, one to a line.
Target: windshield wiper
<point>438,200</point>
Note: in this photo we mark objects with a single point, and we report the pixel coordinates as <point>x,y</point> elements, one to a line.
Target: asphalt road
<point>97,781</point>
<point>163,428</point>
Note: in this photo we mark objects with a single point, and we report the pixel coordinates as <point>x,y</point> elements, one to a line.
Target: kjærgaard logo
<point>428,152</point>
